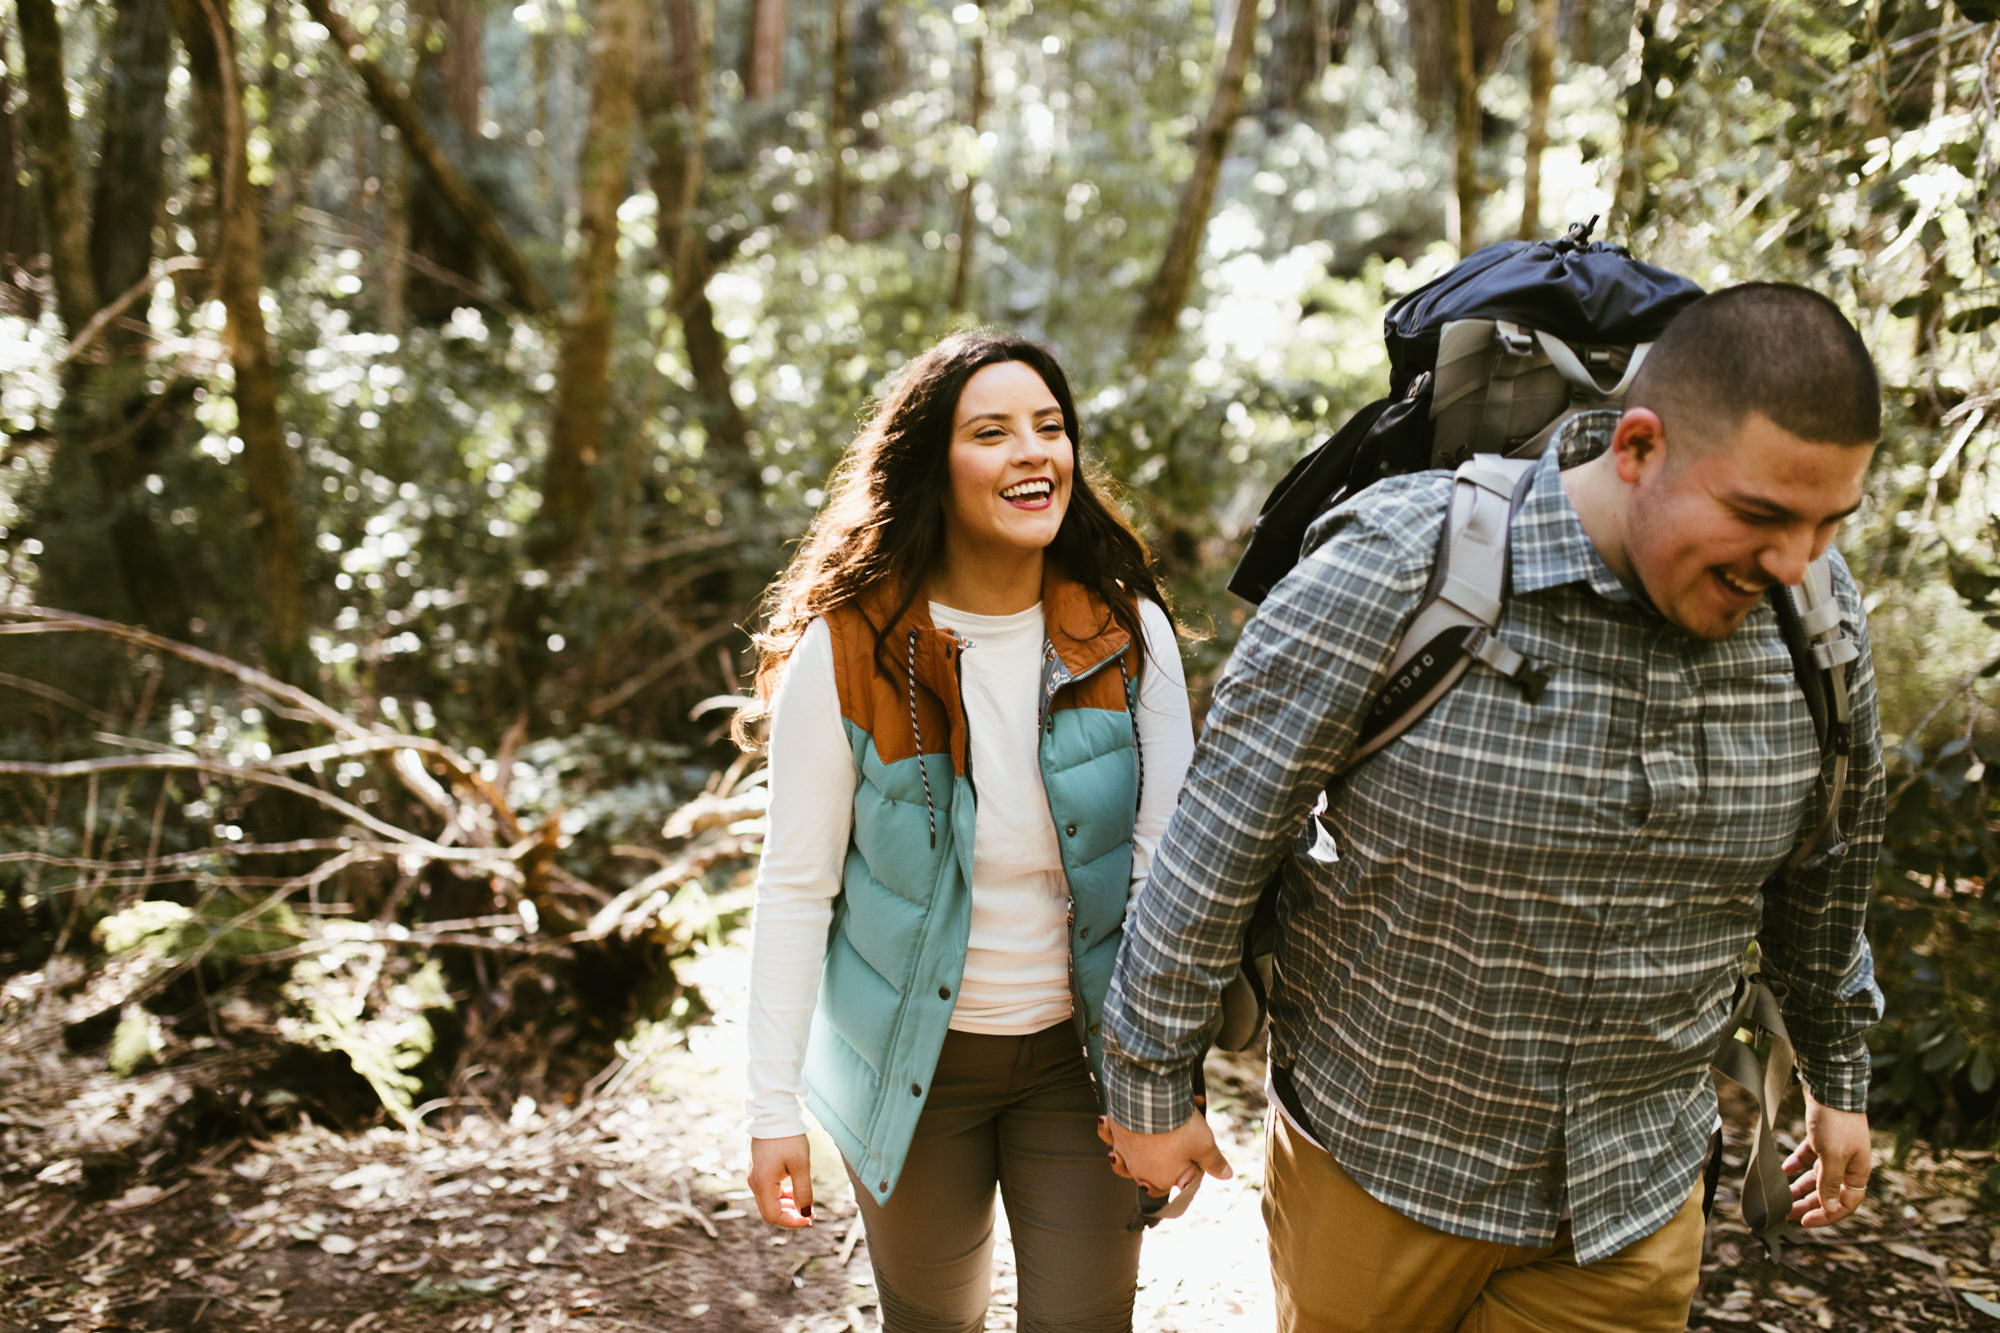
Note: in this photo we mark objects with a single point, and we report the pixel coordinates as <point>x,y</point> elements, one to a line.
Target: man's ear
<point>1638,445</point>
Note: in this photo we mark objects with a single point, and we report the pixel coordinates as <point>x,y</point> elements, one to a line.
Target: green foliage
<point>1849,146</point>
<point>356,996</point>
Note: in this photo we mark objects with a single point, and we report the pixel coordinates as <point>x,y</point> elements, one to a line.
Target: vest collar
<point>1080,628</point>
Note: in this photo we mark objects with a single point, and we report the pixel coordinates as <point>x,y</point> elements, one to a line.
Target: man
<point>1509,943</point>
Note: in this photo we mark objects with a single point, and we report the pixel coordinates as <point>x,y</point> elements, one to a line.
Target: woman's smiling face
<point>1011,463</point>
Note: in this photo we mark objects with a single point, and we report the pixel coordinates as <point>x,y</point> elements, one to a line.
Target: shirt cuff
<point>1144,1101</point>
<point>1839,1084</point>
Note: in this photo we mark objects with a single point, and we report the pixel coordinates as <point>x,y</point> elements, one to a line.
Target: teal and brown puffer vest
<point>896,948</point>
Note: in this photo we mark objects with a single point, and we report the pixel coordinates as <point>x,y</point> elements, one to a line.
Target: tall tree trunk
<point>1629,201</point>
<point>267,462</point>
<point>20,234</point>
<point>1306,37</point>
<point>1583,31</point>
<point>125,205</point>
<point>1432,52</point>
<point>764,51</point>
<point>840,97</point>
<point>54,143</point>
<point>966,231</point>
<point>448,265</point>
<point>1159,314</point>
<point>1541,79</point>
<point>583,371</point>
<point>396,107</point>
<point>674,97</point>
<point>72,514</point>
<point>1465,126</point>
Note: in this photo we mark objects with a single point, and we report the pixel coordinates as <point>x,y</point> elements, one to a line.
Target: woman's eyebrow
<point>1051,410</point>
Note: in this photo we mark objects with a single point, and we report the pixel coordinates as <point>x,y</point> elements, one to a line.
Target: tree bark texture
<point>126,201</point>
<point>1159,313</point>
<point>53,141</point>
<point>674,99</point>
<point>840,97</point>
<point>1431,51</point>
<point>1465,126</point>
<point>583,370</point>
<point>396,107</point>
<point>101,553</point>
<point>20,232</point>
<point>1583,31</point>
<point>764,51</point>
<point>1629,197</point>
<point>1307,36</point>
<point>967,228</point>
<point>267,462</point>
<point>1541,80</point>
<point>448,267</point>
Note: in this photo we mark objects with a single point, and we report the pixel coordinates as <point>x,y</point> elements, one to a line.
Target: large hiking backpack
<point>1489,358</point>
<point>1487,366</point>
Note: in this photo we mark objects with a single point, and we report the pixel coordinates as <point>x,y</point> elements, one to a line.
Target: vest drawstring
<point>1138,747</point>
<point>917,732</point>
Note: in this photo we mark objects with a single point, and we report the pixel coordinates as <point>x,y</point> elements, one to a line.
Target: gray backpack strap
<point>1767,1194</point>
<point>1456,621</point>
<point>1822,653</point>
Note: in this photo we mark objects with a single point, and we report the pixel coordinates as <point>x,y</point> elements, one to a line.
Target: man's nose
<point>1786,558</point>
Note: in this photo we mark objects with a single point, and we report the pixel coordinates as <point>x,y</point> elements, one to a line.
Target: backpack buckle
<point>1514,340</point>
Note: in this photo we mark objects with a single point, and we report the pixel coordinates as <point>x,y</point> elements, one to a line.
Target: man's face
<point>1713,524</point>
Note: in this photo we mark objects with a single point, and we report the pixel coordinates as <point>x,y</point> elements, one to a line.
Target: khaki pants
<point>1019,1113</point>
<point>1342,1262</point>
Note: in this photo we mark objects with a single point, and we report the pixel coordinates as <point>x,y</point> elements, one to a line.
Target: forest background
<point>403,403</point>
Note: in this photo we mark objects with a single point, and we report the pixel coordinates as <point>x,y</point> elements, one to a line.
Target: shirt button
<point>882,1188</point>
<point>1070,830</point>
<point>944,992</point>
<point>916,1090</point>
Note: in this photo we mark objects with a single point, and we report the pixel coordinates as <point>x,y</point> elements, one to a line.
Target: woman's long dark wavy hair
<point>883,520</point>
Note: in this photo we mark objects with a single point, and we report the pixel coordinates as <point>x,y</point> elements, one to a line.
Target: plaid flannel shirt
<point>1510,947</point>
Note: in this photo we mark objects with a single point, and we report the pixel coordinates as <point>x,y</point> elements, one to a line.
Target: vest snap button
<point>1070,830</point>
<point>1083,934</point>
<point>944,992</point>
<point>1093,1029</point>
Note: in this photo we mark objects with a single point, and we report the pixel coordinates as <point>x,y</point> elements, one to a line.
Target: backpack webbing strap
<point>1809,619</point>
<point>1767,1194</point>
<point>1456,619</point>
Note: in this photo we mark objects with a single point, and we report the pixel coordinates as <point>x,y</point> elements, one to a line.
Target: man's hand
<point>1162,1163</point>
<point>781,1179</point>
<point>1834,1160</point>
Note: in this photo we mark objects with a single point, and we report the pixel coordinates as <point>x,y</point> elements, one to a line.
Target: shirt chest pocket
<point>1486,761</point>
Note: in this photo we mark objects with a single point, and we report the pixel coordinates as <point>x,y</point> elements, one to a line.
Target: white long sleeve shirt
<point>1016,968</point>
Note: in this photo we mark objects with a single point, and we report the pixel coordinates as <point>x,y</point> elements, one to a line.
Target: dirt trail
<point>631,1213</point>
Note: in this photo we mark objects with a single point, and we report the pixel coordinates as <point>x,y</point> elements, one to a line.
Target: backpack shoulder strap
<point>1460,610</point>
<point>1822,653</point>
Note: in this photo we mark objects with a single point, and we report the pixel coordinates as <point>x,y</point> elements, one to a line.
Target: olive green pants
<point>1019,1113</point>
<point>1344,1262</point>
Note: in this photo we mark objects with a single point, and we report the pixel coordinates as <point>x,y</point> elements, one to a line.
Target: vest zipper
<point>1079,1014</point>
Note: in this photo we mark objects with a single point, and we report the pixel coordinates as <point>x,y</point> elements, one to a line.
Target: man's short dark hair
<point>1769,347</point>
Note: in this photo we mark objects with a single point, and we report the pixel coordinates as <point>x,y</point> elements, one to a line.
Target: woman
<point>961,806</point>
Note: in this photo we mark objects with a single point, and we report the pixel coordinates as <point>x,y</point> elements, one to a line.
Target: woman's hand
<point>781,1178</point>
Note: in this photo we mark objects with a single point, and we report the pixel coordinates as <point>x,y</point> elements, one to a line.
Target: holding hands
<point>1173,1162</point>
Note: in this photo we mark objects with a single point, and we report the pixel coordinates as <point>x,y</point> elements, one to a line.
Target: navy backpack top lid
<point>1584,292</point>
